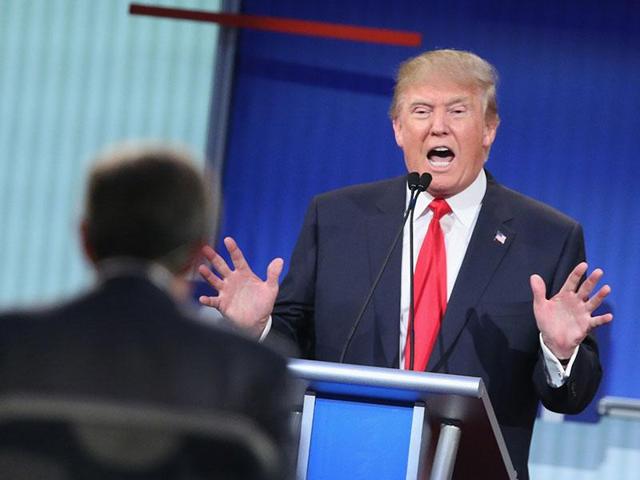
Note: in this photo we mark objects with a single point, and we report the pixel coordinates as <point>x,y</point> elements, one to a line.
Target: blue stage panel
<point>355,440</point>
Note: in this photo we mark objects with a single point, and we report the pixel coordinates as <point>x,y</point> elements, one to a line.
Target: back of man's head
<point>148,203</point>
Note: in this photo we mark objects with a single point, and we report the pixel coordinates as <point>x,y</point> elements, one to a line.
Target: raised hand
<point>243,297</point>
<point>567,318</point>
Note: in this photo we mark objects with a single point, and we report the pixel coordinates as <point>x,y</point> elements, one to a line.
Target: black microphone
<point>413,180</point>
<point>423,184</point>
<point>416,185</point>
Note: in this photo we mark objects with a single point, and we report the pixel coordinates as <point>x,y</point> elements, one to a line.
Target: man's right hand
<point>243,297</point>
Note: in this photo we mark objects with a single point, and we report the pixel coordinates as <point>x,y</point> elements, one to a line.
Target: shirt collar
<point>127,266</point>
<point>464,205</point>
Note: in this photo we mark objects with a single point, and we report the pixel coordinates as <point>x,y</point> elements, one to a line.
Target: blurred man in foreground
<point>131,337</point>
<point>499,291</point>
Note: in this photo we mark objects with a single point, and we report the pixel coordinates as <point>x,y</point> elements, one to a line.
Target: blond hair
<point>462,67</point>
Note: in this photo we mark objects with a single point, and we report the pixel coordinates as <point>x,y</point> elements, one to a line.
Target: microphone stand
<point>416,185</point>
<point>425,180</point>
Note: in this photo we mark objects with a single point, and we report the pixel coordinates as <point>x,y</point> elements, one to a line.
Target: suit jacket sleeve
<point>586,373</point>
<point>293,313</point>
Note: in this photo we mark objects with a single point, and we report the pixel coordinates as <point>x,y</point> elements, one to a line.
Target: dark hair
<point>149,203</point>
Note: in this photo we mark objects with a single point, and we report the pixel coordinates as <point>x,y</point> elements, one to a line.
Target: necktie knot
<point>440,208</point>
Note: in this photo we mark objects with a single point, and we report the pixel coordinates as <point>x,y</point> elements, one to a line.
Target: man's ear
<point>87,247</point>
<point>489,133</point>
<point>397,130</point>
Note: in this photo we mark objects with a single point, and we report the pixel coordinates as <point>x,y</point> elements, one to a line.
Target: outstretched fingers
<point>601,320</point>
<point>594,302</point>
<point>209,301</point>
<point>538,288</point>
<point>210,277</point>
<point>274,270</point>
<point>589,284</point>
<point>217,262</point>
<point>573,280</point>
<point>237,257</point>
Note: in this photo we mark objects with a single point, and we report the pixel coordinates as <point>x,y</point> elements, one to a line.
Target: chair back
<point>71,438</point>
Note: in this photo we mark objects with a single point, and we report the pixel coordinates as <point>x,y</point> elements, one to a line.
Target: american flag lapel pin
<point>500,237</point>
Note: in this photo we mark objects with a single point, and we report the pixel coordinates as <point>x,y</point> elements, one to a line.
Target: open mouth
<point>440,157</point>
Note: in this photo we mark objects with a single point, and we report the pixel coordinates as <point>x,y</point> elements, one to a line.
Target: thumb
<point>274,270</point>
<point>538,288</point>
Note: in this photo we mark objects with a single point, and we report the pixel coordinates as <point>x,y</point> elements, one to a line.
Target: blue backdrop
<point>309,115</point>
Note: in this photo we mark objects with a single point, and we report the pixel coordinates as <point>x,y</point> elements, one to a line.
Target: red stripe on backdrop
<point>286,25</point>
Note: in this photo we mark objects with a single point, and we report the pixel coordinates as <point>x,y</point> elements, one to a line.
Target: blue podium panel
<point>357,440</point>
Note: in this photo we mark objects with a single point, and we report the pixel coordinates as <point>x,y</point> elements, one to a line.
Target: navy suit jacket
<point>489,329</point>
<point>128,341</point>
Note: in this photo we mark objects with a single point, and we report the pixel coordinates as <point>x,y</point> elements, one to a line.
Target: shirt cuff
<point>266,330</point>
<point>556,374</point>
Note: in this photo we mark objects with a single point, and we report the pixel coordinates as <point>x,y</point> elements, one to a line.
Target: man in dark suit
<point>132,337</point>
<point>504,252</point>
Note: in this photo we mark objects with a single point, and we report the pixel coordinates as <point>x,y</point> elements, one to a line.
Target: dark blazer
<point>489,329</point>
<point>127,340</point>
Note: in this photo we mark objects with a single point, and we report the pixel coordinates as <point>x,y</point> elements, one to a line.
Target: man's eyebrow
<point>453,101</point>
<point>421,102</point>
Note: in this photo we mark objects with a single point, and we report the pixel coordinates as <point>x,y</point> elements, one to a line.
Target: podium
<point>360,422</point>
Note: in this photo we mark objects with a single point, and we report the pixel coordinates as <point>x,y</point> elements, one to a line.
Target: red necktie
<point>430,289</point>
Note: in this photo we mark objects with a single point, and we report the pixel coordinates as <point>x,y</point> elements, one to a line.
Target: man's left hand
<point>567,318</point>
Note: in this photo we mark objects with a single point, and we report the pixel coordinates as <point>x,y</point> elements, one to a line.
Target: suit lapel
<point>381,230</point>
<point>489,243</point>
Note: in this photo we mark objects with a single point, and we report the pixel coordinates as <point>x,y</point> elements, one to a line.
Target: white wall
<point>76,75</point>
<point>607,450</point>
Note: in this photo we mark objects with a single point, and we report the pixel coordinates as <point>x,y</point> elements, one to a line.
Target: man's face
<point>441,127</point>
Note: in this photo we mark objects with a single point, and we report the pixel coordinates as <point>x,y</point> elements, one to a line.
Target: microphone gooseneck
<point>411,329</point>
<point>416,184</point>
